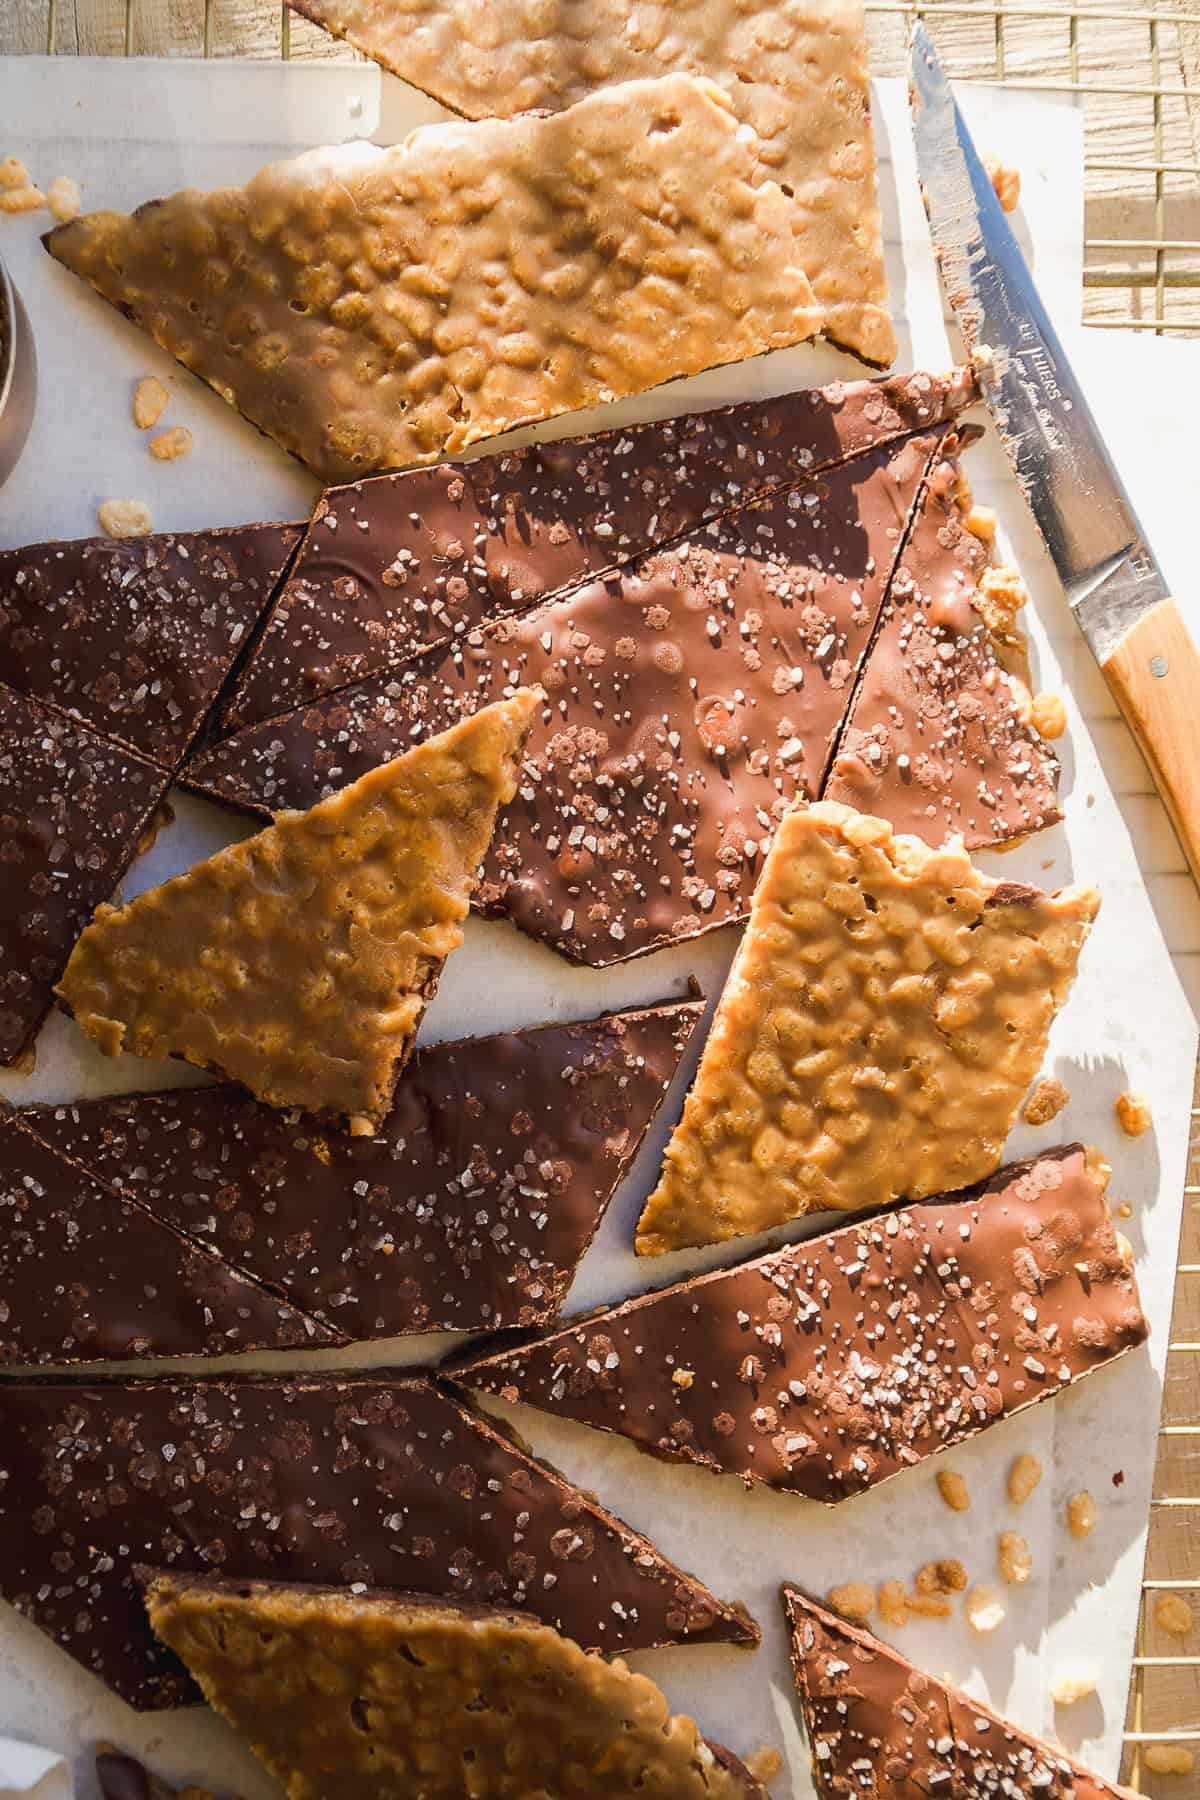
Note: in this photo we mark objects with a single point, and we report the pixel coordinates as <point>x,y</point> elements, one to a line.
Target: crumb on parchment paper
<point>1049,715</point>
<point>985,1608</point>
<point>1046,1101</point>
<point>1133,1113</point>
<point>1014,1558</point>
<point>150,402</point>
<point>170,445</point>
<point>853,1599</point>
<point>124,518</point>
<point>1081,1514</point>
<point>64,199</point>
<point>954,1491</point>
<point>1068,1690</point>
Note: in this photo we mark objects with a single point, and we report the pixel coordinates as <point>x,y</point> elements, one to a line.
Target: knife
<point>1113,585</point>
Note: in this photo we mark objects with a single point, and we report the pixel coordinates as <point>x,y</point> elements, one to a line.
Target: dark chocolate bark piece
<point>135,637</point>
<point>398,563</point>
<point>74,810</point>
<point>811,1370</point>
<point>937,742</point>
<point>469,1211</point>
<point>690,700</point>
<point>388,1483</point>
<point>87,1276</point>
<point>876,1725</point>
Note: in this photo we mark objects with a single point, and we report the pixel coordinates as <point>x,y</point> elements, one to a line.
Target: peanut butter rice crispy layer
<point>300,961</point>
<point>886,1012</point>
<point>341,1695</point>
<point>372,308</point>
<point>795,70</point>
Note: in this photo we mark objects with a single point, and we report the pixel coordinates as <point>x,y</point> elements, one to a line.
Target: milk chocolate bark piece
<point>824,1368</point>
<point>938,741</point>
<point>352,1694</point>
<point>88,1276</point>
<point>469,1211</point>
<point>369,308</point>
<point>74,809</point>
<point>136,637</point>
<point>886,1011</point>
<point>300,961</point>
<point>876,1725</point>
<point>691,699</point>
<point>797,74</point>
<point>391,1483</point>
<point>398,563</point>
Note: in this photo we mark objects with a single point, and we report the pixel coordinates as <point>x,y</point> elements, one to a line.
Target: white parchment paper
<point>129,131</point>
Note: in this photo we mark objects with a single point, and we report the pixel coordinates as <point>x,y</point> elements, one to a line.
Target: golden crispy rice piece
<point>373,308</point>
<point>796,70</point>
<point>886,1011</point>
<point>341,1695</point>
<point>301,960</point>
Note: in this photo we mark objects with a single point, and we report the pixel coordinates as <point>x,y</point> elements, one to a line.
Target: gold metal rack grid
<point>1137,68</point>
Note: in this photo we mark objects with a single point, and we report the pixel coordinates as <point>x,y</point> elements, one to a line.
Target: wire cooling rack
<point>1137,69</point>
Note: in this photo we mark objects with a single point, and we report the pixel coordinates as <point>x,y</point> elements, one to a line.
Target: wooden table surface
<point>1138,66</point>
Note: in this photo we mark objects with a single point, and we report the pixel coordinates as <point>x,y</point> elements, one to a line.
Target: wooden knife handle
<point>1154,672</point>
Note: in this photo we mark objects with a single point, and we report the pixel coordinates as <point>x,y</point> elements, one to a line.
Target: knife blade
<point>1112,582</point>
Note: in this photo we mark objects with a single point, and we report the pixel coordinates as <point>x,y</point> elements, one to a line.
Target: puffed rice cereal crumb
<point>1133,1113</point>
<point>929,1606</point>
<point>1081,1514</point>
<point>985,1608</point>
<point>124,518</point>
<point>1049,715</point>
<point>981,523</point>
<point>64,199</point>
<point>1014,1557</point>
<point>953,1488</point>
<point>1046,1101</point>
<point>853,1600</point>
<point>21,199</point>
<point>946,1576</point>
<point>1124,1211</point>
<point>764,1764</point>
<point>1068,1690</point>
<point>1174,1614</point>
<point>1168,1759</point>
<point>150,402</point>
<point>170,445</point>
<point>1000,596</point>
<point>893,1607</point>
<point>1023,1477</point>
<point>1007,182</point>
<point>13,173</point>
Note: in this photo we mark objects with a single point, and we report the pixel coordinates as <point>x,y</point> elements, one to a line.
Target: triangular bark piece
<point>886,1011</point>
<point>431,1699</point>
<point>809,1369</point>
<point>300,961</point>
<point>136,637</point>
<point>797,75</point>
<point>938,741</point>
<point>691,698</point>
<point>396,564</point>
<point>370,308</point>
<point>388,1482</point>
<point>74,811</point>
<point>876,1725</point>
<point>88,1276</point>
<point>469,1211</point>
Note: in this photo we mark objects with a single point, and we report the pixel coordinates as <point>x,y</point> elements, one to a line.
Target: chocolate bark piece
<point>469,1211</point>
<point>886,1011</point>
<point>394,305</point>
<point>349,1694</point>
<point>74,810</point>
<point>809,1369</point>
<point>386,1482</point>
<point>877,1725</point>
<point>939,741</point>
<point>691,699</point>
<point>88,1276</point>
<point>136,637</point>
<point>796,74</point>
<point>398,563</point>
<point>300,961</point>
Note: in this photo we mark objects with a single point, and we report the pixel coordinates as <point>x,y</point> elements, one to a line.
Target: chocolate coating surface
<point>397,563</point>
<point>935,743</point>
<point>73,811</point>
<point>876,1725</point>
<point>825,1367</point>
<point>136,637</point>
<point>391,1483</point>
<point>691,699</point>
<point>469,1211</point>
<point>86,1276</point>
